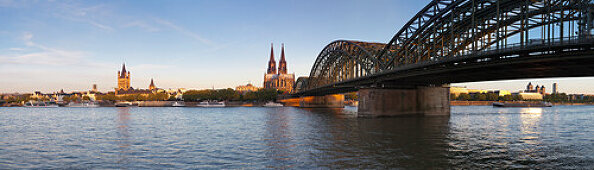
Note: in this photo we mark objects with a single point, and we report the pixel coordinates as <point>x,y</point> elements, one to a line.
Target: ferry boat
<point>50,104</point>
<point>522,104</point>
<point>273,104</point>
<point>123,104</point>
<point>179,104</point>
<point>83,104</point>
<point>211,104</point>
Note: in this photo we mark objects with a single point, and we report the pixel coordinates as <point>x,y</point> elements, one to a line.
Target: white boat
<point>179,104</point>
<point>50,104</point>
<point>273,104</point>
<point>123,104</point>
<point>211,104</point>
<point>83,104</point>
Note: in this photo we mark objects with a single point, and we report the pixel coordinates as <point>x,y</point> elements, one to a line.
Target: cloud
<point>92,15</point>
<point>143,25</point>
<point>184,31</point>
<point>41,54</point>
<point>16,49</point>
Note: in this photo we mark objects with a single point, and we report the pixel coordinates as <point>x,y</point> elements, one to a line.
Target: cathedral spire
<point>271,62</point>
<point>152,85</point>
<point>123,73</point>
<point>282,65</point>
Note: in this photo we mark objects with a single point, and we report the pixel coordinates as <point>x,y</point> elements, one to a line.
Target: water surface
<point>280,138</point>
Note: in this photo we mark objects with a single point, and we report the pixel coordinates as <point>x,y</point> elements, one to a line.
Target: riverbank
<point>490,103</point>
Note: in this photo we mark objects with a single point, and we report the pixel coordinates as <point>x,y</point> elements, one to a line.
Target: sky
<point>51,45</point>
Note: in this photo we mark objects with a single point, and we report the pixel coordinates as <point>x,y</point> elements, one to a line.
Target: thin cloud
<point>143,25</point>
<point>41,54</point>
<point>90,15</point>
<point>16,49</point>
<point>183,31</point>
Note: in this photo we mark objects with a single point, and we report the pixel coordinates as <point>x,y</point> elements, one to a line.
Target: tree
<point>507,98</point>
<point>464,97</point>
<point>86,98</point>
<point>492,96</point>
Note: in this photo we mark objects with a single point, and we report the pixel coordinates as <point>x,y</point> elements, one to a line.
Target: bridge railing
<point>534,43</point>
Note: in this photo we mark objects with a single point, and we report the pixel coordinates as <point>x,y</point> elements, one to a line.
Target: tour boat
<point>522,104</point>
<point>83,104</point>
<point>50,104</point>
<point>123,104</point>
<point>179,104</point>
<point>273,104</point>
<point>211,104</point>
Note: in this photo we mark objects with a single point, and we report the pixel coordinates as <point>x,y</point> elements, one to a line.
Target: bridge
<point>453,41</point>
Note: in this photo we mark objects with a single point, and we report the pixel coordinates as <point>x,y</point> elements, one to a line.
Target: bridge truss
<point>453,33</point>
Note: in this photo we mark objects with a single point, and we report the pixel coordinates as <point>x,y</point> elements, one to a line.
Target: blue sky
<point>50,45</point>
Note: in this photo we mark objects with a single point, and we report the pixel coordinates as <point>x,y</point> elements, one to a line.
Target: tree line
<point>230,95</point>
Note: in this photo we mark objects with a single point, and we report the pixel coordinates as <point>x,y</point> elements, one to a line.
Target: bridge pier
<point>327,101</point>
<point>376,102</point>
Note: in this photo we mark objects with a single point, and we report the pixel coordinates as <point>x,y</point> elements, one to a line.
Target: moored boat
<point>123,104</point>
<point>178,104</point>
<point>273,104</point>
<point>83,104</point>
<point>211,104</point>
<point>522,104</point>
<point>41,104</point>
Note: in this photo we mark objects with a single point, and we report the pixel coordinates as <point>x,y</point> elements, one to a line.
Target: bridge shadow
<point>340,140</point>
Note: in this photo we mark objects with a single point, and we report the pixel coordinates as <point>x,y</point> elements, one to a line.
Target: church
<point>278,79</point>
<point>124,87</point>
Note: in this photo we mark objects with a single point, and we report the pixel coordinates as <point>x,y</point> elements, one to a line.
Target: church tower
<point>282,64</point>
<point>152,85</point>
<point>123,78</point>
<point>271,62</point>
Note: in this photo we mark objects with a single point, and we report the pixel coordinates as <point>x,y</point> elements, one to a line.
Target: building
<point>555,88</point>
<point>124,87</point>
<point>152,85</point>
<point>538,89</point>
<point>529,96</point>
<point>246,88</point>
<point>123,79</point>
<point>278,79</point>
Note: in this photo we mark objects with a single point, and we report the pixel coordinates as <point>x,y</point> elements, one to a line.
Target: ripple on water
<point>282,138</point>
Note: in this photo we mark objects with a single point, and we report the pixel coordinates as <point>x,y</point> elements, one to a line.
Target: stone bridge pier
<point>427,101</point>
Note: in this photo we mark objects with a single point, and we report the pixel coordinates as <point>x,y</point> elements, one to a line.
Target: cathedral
<point>124,87</point>
<point>278,79</point>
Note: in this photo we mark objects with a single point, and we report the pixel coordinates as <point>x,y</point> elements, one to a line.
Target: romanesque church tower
<point>123,79</point>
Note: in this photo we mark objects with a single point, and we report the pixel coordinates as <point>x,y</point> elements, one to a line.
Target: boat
<point>42,104</point>
<point>273,104</point>
<point>83,104</point>
<point>211,104</point>
<point>123,104</point>
<point>522,104</point>
<point>179,104</point>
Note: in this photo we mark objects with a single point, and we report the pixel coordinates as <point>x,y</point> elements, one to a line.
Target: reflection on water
<point>278,137</point>
<point>123,123</point>
<point>473,137</point>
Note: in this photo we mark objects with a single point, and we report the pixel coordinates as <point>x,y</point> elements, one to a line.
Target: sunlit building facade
<point>278,79</point>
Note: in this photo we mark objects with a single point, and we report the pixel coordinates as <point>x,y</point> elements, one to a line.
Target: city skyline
<point>212,44</point>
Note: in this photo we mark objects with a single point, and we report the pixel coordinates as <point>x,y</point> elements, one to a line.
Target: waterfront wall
<point>490,103</point>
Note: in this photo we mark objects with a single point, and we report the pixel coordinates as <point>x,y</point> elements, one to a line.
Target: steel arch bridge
<point>452,41</point>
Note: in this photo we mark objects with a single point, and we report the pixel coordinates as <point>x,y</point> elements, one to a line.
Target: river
<point>471,137</point>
